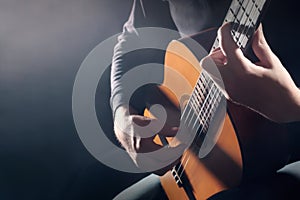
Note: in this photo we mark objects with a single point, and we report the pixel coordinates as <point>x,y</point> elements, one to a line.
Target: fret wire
<point>203,77</point>
<point>206,76</point>
<point>184,112</point>
<point>208,116</point>
<point>241,26</point>
<point>216,98</point>
<point>200,88</point>
<point>200,91</point>
<point>202,113</point>
<point>247,26</point>
<point>208,85</point>
<point>190,109</point>
<point>195,99</point>
<point>229,18</point>
<point>194,148</point>
<point>192,103</point>
<point>194,109</point>
<point>232,17</point>
<point>203,89</point>
<point>235,5</point>
<point>253,21</point>
<point>205,81</point>
<point>211,109</point>
<point>197,104</point>
<point>237,20</point>
<point>189,112</point>
<point>182,165</point>
<point>255,17</point>
<point>200,95</point>
<point>210,98</point>
<point>238,17</point>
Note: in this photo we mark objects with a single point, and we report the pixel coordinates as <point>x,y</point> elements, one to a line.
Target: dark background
<point>42,44</point>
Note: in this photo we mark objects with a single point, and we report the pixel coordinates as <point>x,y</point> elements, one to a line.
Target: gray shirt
<point>154,13</point>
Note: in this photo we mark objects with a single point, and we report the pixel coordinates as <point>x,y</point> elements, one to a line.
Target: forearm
<point>132,48</point>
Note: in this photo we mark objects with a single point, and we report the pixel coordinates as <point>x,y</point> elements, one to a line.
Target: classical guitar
<point>248,145</point>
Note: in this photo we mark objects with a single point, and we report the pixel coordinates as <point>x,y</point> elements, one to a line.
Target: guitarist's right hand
<point>128,126</point>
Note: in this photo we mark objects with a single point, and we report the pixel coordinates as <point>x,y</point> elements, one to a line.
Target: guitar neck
<point>207,97</point>
<point>245,16</point>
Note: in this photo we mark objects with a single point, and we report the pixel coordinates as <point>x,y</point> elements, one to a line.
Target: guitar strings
<point>256,14</point>
<point>243,34</point>
<point>196,102</point>
<point>201,111</point>
<point>249,24</point>
<point>189,102</point>
<point>196,107</point>
<point>191,98</point>
<point>189,107</point>
<point>209,109</point>
<point>206,119</point>
<point>239,19</point>
<point>204,123</point>
<point>204,115</point>
<point>245,25</point>
<point>235,13</point>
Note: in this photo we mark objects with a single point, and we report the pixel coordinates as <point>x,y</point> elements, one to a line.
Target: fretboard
<point>202,104</point>
<point>245,16</point>
<point>206,96</point>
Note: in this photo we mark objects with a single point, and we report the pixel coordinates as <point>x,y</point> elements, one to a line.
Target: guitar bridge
<point>177,177</point>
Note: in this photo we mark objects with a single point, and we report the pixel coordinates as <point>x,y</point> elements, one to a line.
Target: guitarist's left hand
<point>265,86</point>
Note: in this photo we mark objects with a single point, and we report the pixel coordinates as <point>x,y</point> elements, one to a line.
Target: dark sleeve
<point>142,15</point>
<point>294,134</point>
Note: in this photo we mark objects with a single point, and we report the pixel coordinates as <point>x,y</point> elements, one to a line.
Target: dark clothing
<point>148,188</point>
<point>156,13</point>
<point>141,15</point>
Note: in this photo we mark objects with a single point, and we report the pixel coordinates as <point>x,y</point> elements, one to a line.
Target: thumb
<point>261,47</point>
<point>230,49</point>
<point>146,127</point>
<point>217,56</point>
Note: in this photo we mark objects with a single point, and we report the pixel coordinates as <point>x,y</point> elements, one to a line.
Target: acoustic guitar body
<point>249,146</point>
